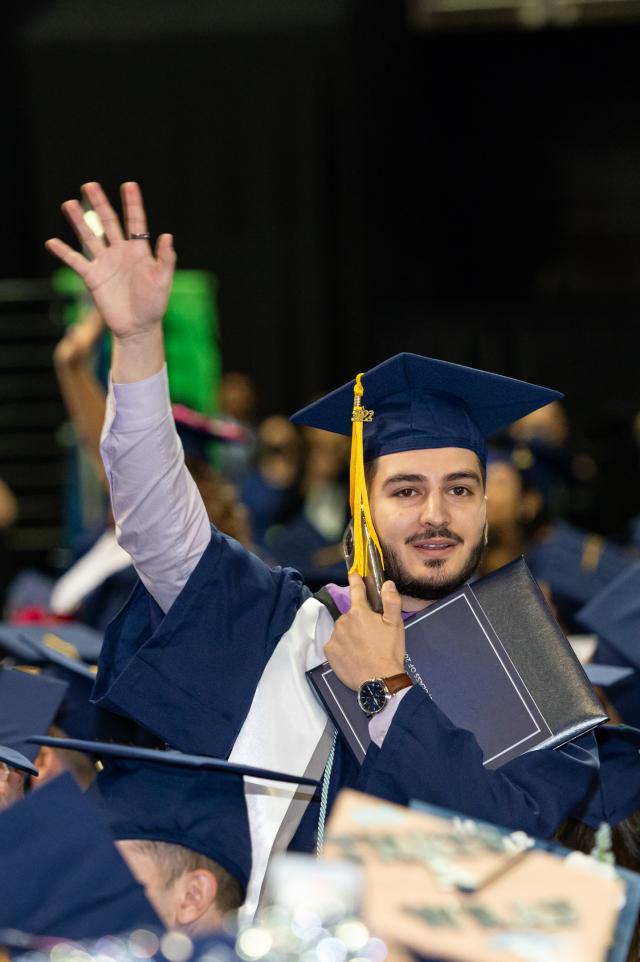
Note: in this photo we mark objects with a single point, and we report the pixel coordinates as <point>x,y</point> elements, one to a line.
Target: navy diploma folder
<point>495,660</point>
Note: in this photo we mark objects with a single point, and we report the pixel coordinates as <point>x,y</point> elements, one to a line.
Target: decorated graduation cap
<point>197,431</point>
<point>618,793</point>
<point>410,403</point>
<point>61,873</point>
<point>28,706</point>
<point>166,796</point>
<point>74,640</point>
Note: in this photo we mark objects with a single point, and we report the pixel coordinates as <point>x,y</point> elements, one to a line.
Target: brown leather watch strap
<point>396,683</point>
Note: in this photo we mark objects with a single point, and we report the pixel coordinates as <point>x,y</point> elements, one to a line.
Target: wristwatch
<point>374,694</point>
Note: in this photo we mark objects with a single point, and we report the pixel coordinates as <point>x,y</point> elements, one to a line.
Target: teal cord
<point>324,795</point>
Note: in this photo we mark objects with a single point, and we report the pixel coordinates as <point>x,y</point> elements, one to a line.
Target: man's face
<point>148,873</point>
<point>429,511</point>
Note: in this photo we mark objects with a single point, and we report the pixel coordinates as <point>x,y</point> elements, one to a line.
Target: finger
<point>74,213</point>
<point>71,258</point>
<point>391,604</point>
<point>358,592</point>
<point>98,200</point>
<point>134,216</point>
<point>165,255</point>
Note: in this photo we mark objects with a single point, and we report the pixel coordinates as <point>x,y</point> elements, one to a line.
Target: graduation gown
<point>222,673</point>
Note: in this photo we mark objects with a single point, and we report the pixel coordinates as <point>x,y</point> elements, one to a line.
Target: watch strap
<point>396,683</point>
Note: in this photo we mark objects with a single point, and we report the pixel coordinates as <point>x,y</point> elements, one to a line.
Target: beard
<point>435,584</point>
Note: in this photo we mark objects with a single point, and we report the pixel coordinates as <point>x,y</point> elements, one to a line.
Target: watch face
<point>372,697</point>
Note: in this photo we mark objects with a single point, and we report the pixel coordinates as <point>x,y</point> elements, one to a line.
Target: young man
<point>211,651</point>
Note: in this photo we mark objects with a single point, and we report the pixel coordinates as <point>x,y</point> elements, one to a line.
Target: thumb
<point>391,604</point>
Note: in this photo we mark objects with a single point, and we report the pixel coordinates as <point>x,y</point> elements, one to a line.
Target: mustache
<point>434,533</point>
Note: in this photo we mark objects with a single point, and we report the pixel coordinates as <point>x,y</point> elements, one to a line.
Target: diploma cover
<point>495,660</point>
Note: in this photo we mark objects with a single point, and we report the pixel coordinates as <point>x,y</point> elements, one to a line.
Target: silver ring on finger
<point>140,237</point>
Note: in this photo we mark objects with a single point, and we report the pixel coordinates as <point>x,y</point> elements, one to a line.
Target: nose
<point>434,511</point>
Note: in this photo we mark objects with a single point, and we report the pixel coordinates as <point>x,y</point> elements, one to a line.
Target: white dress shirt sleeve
<point>160,518</point>
<point>379,725</point>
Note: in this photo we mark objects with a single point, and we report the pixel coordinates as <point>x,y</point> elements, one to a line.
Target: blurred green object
<point>190,329</point>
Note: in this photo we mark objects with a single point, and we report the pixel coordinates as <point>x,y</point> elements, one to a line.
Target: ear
<point>196,895</point>
<point>49,765</point>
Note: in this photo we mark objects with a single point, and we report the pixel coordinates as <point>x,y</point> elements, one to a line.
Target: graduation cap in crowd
<point>618,793</point>
<point>165,796</point>
<point>410,403</point>
<point>76,715</point>
<point>613,614</point>
<point>61,873</point>
<point>28,705</point>
<point>576,565</point>
<point>74,640</point>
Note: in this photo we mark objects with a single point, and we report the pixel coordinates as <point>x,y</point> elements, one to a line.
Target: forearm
<point>85,400</point>
<point>160,518</point>
<point>137,356</point>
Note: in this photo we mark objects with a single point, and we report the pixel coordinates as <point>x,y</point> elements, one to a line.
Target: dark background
<point>360,187</point>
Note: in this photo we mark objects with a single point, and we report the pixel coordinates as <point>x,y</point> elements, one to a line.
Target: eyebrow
<point>418,478</point>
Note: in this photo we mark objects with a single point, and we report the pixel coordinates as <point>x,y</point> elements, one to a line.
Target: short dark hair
<point>173,860</point>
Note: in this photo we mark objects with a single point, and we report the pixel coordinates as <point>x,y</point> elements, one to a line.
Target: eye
<point>460,491</point>
<point>405,493</point>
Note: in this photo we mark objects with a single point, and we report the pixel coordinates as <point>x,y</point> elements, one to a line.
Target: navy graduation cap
<point>61,873</point>
<point>576,564</point>
<point>618,793</point>
<point>75,640</point>
<point>165,796</point>
<point>77,716</point>
<point>28,705</point>
<point>419,402</point>
<point>614,614</point>
<point>17,760</point>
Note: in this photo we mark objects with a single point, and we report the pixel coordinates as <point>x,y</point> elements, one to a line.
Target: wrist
<point>138,355</point>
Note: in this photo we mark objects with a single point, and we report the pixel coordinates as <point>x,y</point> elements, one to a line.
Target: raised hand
<point>130,284</point>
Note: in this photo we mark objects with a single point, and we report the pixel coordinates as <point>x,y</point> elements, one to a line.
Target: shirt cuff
<point>140,404</point>
<point>379,725</point>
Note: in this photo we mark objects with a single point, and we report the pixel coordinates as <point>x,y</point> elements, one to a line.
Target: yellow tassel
<point>358,497</point>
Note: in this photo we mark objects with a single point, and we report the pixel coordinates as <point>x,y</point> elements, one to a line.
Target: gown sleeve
<point>189,676</point>
<point>427,758</point>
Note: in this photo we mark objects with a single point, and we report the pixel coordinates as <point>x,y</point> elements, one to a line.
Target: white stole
<point>287,730</point>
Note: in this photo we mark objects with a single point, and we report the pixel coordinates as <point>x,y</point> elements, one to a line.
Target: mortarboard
<point>576,565</point>
<point>419,402</point>
<point>165,796</point>
<point>77,716</point>
<point>618,792</point>
<point>410,403</point>
<point>28,705</point>
<point>61,873</point>
<point>614,613</point>
<point>17,760</point>
<point>74,640</point>
<point>606,676</point>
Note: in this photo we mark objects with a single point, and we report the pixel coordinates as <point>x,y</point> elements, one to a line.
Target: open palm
<point>130,284</point>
